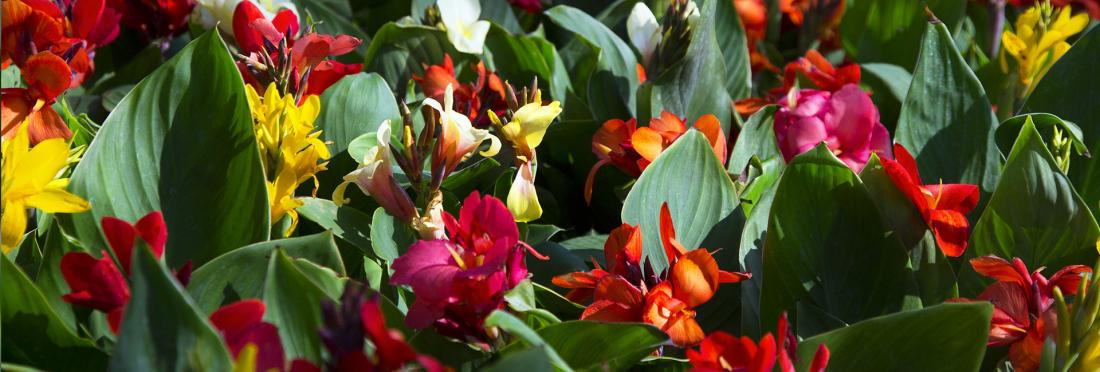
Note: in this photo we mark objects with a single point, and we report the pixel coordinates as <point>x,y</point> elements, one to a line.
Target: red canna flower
<point>629,293</point>
<point>632,149</point>
<point>458,282</point>
<point>241,324</point>
<point>47,76</point>
<point>943,206</point>
<point>816,69</point>
<point>155,18</point>
<point>98,283</point>
<point>721,351</point>
<point>487,89</point>
<point>529,6</point>
<point>1022,305</point>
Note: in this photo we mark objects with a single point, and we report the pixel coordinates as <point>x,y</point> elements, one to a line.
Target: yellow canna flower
<point>291,150</point>
<point>29,182</point>
<point>523,201</point>
<point>528,125</point>
<point>1039,40</point>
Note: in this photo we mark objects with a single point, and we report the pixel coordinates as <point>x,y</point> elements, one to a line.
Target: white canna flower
<point>644,31</point>
<point>464,30</point>
<point>459,137</point>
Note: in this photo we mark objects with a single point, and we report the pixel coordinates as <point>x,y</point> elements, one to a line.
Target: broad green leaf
<point>562,261</point>
<point>588,345</point>
<point>1009,130</point>
<point>757,138</point>
<point>241,274</point>
<point>294,306</point>
<point>613,80</point>
<point>687,88</point>
<point>518,329</point>
<point>889,85</point>
<point>181,142</point>
<point>557,304</point>
<point>1035,214</point>
<point>1069,90</point>
<point>946,121</point>
<point>750,253</point>
<point>397,52</point>
<point>355,105</point>
<point>947,337</point>
<point>163,329</point>
<point>538,233</point>
<point>826,247</point>
<point>699,194</point>
<point>33,334</point>
<point>347,223</point>
<point>520,58</point>
<point>534,359</point>
<point>389,237</point>
<point>730,34</point>
<point>887,31</point>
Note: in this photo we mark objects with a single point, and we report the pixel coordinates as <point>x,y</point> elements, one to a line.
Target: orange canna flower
<point>47,76</point>
<point>632,149</point>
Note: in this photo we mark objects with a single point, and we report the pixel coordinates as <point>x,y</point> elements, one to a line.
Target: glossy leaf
<point>355,105</point>
<point>181,142</point>
<point>757,138</point>
<point>611,84</point>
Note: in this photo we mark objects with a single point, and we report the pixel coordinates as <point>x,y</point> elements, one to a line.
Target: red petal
<point>327,73</point>
<point>286,19</point>
<point>764,360</point>
<point>114,318</point>
<point>673,249</point>
<point>391,349</point>
<point>955,197</point>
<point>952,231</point>
<point>343,44</point>
<point>623,248</point>
<point>902,156</point>
<point>238,316</point>
<point>47,76</point>
<point>248,38</point>
<point>95,283</point>
<point>85,15</point>
<point>153,231</point>
<point>120,236</point>
<point>821,358</point>
<point>999,269</point>
<point>1068,279</point>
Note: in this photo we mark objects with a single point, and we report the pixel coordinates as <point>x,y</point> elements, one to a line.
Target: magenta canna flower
<point>459,281</point>
<point>846,120</point>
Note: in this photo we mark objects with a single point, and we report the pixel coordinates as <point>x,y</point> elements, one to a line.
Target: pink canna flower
<point>846,120</point>
<point>459,281</point>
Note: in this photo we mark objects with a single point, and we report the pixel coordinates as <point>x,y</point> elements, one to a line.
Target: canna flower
<point>528,125</point>
<point>721,351</point>
<point>47,76</point>
<point>356,317</point>
<point>846,120</point>
<point>644,31</point>
<point>529,6</point>
<point>753,14</point>
<point>943,206</point>
<point>291,151</point>
<point>1022,313</point>
<point>487,90</point>
<point>99,284</point>
<point>375,178</point>
<point>249,339</point>
<point>628,293</point>
<point>464,30</point>
<point>155,18</point>
<point>459,138</point>
<point>815,68</point>
<point>1040,40</point>
<point>632,149</point>
<point>459,281</point>
<point>523,200</point>
<point>30,181</point>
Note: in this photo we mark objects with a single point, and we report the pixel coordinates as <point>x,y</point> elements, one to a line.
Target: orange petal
<point>673,248</point>
<point>591,180</point>
<point>14,108</point>
<point>47,75</point>
<point>623,247</point>
<point>712,129</point>
<point>1000,269</point>
<point>670,125</point>
<point>648,143</point>
<point>694,277</point>
<point>732,277</point>
<point>46,124</point>
<point>610,311</point>
<point>616,289</point>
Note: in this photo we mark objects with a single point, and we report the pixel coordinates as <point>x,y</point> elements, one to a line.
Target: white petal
<point>384,134</point>
<point>643,29</point>
<point>459,12</point>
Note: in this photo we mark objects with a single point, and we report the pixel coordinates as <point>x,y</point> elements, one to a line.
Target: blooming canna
<point>375,178</point>
<point>30,181</point>
<point>486,91</point>
<point>1022,312</point>
<point>1040,40</point>
<point>459,281</point>
<point>943,206</point>
<point>628,293</point>
<point>464,30</point>
<point>459,138</point>
<point>632,149</point>
<point>291,151</point>
<point>721,351</point>
<point>846,120</point>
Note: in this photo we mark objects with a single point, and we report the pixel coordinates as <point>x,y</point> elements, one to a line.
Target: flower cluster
<point>1040,40</point>
<point>627,292</point>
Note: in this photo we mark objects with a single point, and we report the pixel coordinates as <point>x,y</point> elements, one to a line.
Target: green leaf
<point>294,306</point>
<point>355,105</point>
<point>518,329</point>
<point>33,334</point>
<point>886,31</point>
<point>826,247</point>
<point>1069,90</point>
<point>1035,214</point>
<point>241,274</point>
<point>163,329</point>
<point>397,52</point>
<point>1009,130</point>
<point>588,345</point>
<point>687,87</point>
<point>519,58</point>
<point>389,237</point>
<point>751,249</point>
<point>50,280</point>
<point>347,223</point>
<point>538,233</point>
<point>730,34</point>
<point>699,194</point>
<point>180,142</point>
<point>947,337</point>
<point>889,85</point>
<point>757,138</point>
<point>533,359</point>
<point>613,80</point>
<point>946,121</point>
